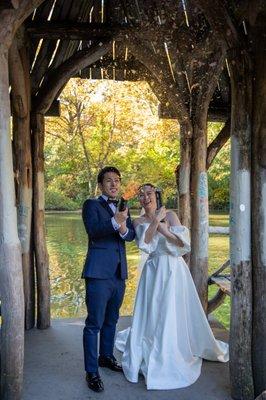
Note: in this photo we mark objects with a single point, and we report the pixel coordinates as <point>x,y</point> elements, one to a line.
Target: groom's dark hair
<point>103,171</point>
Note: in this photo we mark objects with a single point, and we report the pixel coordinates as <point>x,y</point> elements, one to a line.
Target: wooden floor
<point>54,370</point>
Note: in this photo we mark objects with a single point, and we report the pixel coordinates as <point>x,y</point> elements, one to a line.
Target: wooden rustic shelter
<point>204,59</point>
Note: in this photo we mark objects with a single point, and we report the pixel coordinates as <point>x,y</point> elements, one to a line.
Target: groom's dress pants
<point>103,299</point>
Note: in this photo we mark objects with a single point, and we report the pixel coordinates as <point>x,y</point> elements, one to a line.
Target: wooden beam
<point>223,283</point>
<point>216,301</point>
<point>48,46</point>
<point>216,145</point>
<point>131,76</point>
<point>108,62</point>
<point>216,112</point>
<point>78,11</point>
<point>60,75</point>
<point>54,110</point>
<point>68,30</point>
<point>71,30</point>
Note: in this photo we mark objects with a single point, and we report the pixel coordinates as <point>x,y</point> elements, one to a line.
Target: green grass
<point>219,219</point>
<point>218,254</point>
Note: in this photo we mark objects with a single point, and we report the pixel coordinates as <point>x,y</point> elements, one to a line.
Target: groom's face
<point>110,185</point>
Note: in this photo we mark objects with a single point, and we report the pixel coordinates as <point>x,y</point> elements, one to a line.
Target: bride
<point>170,334</point>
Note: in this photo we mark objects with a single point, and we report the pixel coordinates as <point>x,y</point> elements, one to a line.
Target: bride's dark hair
<point>146,184</point>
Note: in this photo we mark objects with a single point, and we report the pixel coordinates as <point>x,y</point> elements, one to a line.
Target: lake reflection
<point>67,247</point>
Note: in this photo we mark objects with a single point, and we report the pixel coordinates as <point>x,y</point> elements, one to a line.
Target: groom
<point>105,271</point>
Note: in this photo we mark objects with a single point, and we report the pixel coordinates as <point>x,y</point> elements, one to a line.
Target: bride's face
<point>147,198</point>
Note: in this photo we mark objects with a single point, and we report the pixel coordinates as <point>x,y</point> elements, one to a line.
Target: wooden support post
<point>259,212</point>
<point>240,228</point>
<point>199,211</point>
<point>41,254</point>
<point>11,279</point>
<point>199,181</point>
<point>20,83</point>
<point>184,174</point>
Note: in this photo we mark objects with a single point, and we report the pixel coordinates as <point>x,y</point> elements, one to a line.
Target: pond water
<point>67,246</point>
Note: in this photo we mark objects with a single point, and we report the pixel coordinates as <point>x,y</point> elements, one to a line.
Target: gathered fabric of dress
<point>170,334</point>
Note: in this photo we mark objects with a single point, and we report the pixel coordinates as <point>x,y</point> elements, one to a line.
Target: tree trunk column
<point>240,229</point>
<point>259,214</point>
<point>20,82</point>
<point>41,254</point>
<point>184,174</point>
<point>11,279</point>
<point>199,212</point>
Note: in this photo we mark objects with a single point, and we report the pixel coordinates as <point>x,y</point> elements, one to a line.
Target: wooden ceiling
<point>175,32</point>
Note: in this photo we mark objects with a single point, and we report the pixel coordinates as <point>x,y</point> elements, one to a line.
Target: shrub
<point>55,200</point>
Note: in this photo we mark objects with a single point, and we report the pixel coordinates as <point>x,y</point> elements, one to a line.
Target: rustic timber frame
<point>205,60</point>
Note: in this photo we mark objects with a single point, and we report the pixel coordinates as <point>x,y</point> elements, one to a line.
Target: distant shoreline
<point>213,229</point>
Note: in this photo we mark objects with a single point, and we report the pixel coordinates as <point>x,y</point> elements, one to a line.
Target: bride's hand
<point>160,214</point>
<point>163,227</point>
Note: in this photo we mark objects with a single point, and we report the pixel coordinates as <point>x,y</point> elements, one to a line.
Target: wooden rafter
<point>56,78</point>
<point>67,30</point>
<point>149,59</point>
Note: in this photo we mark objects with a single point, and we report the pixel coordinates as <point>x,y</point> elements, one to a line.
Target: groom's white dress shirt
<point>116,226</point>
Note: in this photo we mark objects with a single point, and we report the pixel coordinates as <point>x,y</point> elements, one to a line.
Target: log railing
<point>224,286</point>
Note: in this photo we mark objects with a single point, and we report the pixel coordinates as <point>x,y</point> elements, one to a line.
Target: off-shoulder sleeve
<point>182,233</point>
<point>140,236</point>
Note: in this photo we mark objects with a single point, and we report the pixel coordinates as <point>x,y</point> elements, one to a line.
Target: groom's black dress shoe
<point>110,362</point>
<point>94,381</point>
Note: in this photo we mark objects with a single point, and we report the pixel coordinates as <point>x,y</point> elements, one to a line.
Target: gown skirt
<point>170,334</point>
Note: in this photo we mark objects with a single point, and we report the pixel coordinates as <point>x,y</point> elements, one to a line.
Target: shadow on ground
<point>54,370</point>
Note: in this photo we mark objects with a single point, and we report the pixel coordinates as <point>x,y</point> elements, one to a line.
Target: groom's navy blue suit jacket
<point>106,248</point>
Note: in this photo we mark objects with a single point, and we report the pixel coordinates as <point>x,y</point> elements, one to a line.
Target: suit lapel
<point>106,206</point>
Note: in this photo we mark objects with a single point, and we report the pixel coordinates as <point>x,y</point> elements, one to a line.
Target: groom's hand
<point>121,216</point>
<point>123,228</point>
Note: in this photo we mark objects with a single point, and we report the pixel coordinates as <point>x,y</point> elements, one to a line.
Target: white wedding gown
<point>170,334</point>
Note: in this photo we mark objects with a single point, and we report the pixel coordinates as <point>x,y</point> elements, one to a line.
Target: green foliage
<point>219,173</point>
<point>116,123</point>
<point>55,200</point>
<point>109,123</point>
